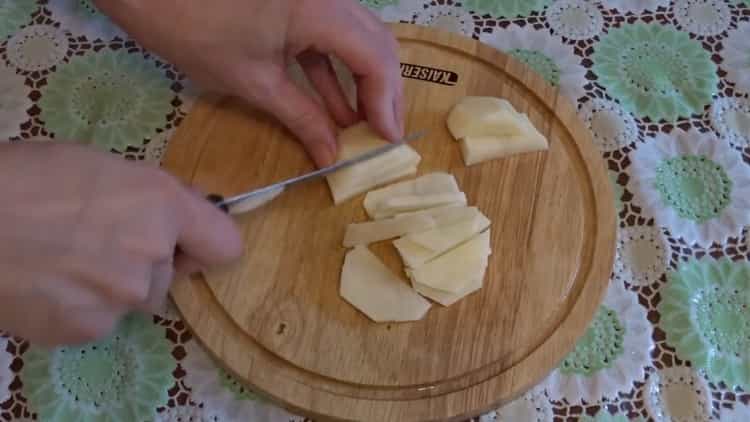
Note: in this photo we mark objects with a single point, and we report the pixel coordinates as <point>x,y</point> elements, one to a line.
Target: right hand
<point>86,237</point>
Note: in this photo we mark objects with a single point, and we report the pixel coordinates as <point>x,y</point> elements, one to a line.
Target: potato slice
<point>412,254</point>
<point>428,184</point>
<point>453,270</point>
<point>443,238</point>
<point>368,285</point>
<point>446,298</point>
<point>375,231</point>
<point>445,215</point>
<point>408,203</point>
<point>418,248</point>
<point>483,116</point>
<point>392,165</point>
<point>489,128</point>
<point>479,149</point>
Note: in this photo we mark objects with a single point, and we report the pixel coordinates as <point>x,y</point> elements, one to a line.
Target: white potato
<point>408,203</point>
<point>483,116</point>
<point>368,285</point>
<point>392,165</point>
<point>453,270</point>
<point>443,238</point>
<point>446,298</point>
<point>489,128</point>
<point>375,231</point>
<point>428,184</point>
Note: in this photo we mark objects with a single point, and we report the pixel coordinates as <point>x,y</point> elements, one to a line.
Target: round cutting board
<point>275,318</point>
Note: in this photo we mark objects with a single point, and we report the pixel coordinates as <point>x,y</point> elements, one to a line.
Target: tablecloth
<point>662,85</point>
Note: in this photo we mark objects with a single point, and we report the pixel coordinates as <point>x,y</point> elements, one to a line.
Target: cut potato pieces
<point>392,165</point>
<point>445,215</point>
<point>420,247</point>
<point>407,203</point>
<point>483,116</point>
<point>428,184</point>
<point>368,285</point>
<point>375,231</point>
<point>489,128</point>
<point>446,237</point>
<point>446,298</point>
<point>453,270</point>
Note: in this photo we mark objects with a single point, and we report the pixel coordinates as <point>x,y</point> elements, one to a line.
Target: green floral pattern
<point>600,346</point>
<point>655,71</point>
<point>13,14</point>
<point>695,186</point>
<point>122,378</point>
<point>542,64</point>
<point>507,8</point>
<point>705,314</point>
<point>111,98</point>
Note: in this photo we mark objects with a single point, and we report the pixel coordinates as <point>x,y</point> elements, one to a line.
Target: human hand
<point>244,47</point>
<point>86,237</point>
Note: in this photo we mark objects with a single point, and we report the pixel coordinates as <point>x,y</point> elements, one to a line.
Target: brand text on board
<point>429,74</point>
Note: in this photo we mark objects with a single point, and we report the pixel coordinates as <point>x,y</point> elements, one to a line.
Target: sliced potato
<point>418,248</point>
<point>351,181</point>
<point>479,149</point>
<point>445,215</point>
<point>446,298</point>
<point>489,128</point>
<point>428,184</point>
<point>483,116</point>
<point>412,254</point>
<point>453,270</point>
<point>375,231</point>
<point>408,203</point>
<point>443,238</point>
<point>368,285</point>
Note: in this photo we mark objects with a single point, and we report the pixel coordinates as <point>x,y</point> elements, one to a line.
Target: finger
<point>87,326</point>
<point>321,74</point>
<point>304,117</point>
<point>186,266</point>
<point>205,233</point>
<point>162,275</point>
<point>371,52</point>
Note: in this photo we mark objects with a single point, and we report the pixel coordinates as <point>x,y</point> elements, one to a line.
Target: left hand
<point>244,47</point>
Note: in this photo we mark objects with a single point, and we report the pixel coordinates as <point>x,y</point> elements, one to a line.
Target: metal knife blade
<point>250,200</point>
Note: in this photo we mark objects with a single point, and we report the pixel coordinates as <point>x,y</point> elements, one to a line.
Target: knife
<point>251,200</point>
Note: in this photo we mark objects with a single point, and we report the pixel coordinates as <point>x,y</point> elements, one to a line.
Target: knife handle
<point>217,200</point>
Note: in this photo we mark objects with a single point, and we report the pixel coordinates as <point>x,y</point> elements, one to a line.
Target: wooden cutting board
<point>275,319</point>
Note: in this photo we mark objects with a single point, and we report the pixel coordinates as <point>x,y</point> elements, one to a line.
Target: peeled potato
<point>408,203</point>
<point>483,116</point>
<point>420,247</point>
<point>428,184</point>
<point>375,231</point>
<point>368,285</point>
<point>489,128</point>
<point>453,270</point>
<point>392,165</point>
<point>444,238</point>
<point>446,298</point>
<point>445,215</point>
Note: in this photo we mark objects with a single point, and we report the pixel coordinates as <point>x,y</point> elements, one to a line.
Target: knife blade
<point>253,199</point>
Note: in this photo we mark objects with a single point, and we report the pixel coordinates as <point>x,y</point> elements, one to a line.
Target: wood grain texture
<point>275,319</point>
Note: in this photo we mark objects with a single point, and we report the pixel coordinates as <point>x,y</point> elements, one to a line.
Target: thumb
<point>305,118</point>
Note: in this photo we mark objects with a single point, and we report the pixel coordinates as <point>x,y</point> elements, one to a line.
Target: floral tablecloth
<point>663,86</point>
